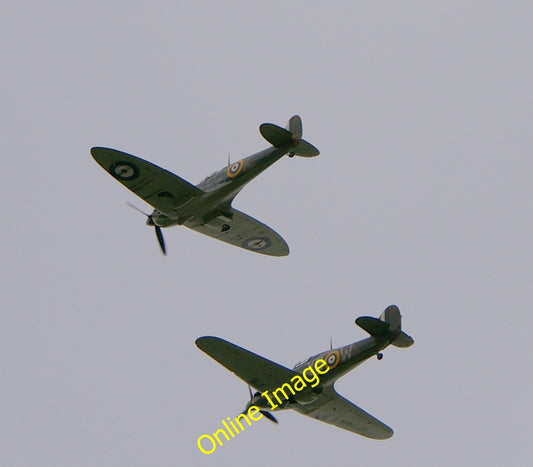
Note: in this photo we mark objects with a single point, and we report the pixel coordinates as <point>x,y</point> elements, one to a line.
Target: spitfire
<point>320,401</point>
<point>206,207</point>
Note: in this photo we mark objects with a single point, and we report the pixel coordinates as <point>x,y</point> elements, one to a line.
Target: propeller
<point>266,413</point>
<point>150,221</point>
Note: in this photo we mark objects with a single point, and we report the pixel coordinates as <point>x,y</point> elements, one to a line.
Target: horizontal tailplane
<point>389,325</point>
<point>403,340</point>
<point>374,326</point>
<point>290,136</point>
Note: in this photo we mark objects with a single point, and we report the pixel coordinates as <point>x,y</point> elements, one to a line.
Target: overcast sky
<point>421,197</point>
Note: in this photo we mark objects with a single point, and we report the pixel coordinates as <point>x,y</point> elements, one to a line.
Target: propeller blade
<point>268,415</point>
<point>150,221</point>
<point>160,239</point>
<point>137,209</point>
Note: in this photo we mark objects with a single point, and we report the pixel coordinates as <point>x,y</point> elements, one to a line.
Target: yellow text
<point>206,443</point>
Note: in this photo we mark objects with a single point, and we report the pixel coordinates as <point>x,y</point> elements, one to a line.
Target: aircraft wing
<point>158,187</point>
<point>245,232</point>
<point>334,409</point>
<point>258,372</point>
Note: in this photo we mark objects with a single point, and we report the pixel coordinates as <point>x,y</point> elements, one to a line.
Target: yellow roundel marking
<point>234,169</point>
<point>332,359</point>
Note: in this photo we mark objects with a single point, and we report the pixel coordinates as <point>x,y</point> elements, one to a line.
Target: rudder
<point>392,316</point>
<point>295,127</point>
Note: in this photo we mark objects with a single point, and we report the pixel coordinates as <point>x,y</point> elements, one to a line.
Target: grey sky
<point>421,197</point>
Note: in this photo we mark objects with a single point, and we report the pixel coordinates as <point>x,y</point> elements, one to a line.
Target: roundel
<point>332,359</point>
<point>234,169</point>
<point>257,243</point>
<point>124,170</point>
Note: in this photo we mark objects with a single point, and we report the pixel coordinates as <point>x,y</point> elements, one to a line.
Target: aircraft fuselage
<point>219,190</point>
<point>344,359</point>
<point>340,361</point>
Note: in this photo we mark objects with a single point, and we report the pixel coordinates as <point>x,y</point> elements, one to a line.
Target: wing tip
<point>95,151</point>
<point>276,254</point>
<point>387,433</point>
<point>277,249</point>
<point>384,432</point>
<point>201,341</point>
<point>104,155</point>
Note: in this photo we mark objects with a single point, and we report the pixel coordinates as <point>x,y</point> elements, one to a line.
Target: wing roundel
<point>158,187</point>
<point>246,232</point>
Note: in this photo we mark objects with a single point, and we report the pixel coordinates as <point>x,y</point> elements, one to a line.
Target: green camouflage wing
<point>334,409</point>
<point>260,373</point>
<point>158,187</point>
<point>245,232</point>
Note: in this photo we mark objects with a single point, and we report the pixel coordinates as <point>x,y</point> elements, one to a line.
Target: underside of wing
<point>334,409</point>
<point>158,187</point>
<point>260,373</point>
<point>246,232</point>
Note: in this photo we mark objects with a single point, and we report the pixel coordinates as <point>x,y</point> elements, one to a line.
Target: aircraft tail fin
<point>291,135</point>
<point>295,127</point>
<point>388,325</point>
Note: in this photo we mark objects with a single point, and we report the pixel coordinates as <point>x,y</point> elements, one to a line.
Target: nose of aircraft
<point>256,400</point>
<point>150,221</point>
